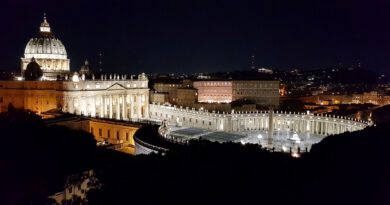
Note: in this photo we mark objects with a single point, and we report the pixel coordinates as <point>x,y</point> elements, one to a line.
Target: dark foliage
<point>293,105</point>
<point>33,71</point>
<point>351,168</point>
<point>381,115</point>
<point>36,159</point>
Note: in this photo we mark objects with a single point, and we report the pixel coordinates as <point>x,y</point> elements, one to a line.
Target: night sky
<point>204,36</point>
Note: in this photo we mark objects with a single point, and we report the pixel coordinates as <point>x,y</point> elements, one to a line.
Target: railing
<point>150,146</point>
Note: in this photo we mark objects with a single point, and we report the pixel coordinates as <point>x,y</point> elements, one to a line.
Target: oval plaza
<point>277,130</point>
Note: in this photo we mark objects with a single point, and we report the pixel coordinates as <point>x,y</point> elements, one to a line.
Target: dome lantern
<point>45,27</point>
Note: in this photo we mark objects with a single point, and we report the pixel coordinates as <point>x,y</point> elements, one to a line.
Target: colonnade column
<point>146,106</point>
<point>270,127</point>
<point>139,106</point>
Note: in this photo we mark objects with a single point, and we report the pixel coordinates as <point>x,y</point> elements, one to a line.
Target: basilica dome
<point>48,51</point>
<point>45,47</point>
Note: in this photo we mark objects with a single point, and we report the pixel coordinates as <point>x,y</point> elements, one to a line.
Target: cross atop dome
<point>45,27</point>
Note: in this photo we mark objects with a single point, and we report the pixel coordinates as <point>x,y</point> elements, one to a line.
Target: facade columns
<point>270,127</point>
<point>131,106</point>
<point>93,111</point>
<point>123,107</point>
<point>118,105</point>
<point>101,99</point>
<point>105,99</point>
<point>110,102</point>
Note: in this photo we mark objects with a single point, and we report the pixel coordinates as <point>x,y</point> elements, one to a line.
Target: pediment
<point>116,86</point>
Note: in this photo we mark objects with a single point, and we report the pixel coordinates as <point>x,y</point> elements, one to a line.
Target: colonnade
<point>259,120</point>
<point>299,124</point>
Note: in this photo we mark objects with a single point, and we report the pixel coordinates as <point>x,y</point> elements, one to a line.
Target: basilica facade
<point>107,98</point>
<point>48,85</point>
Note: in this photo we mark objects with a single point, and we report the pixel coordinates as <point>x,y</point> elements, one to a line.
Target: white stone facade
<point>259,120</point>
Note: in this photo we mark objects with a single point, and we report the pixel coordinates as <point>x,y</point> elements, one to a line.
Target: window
<point>117,135</point>
<point>108,133</point>
<point>127,136</point>
<point>100,132</point>
<point>1,99</point>
<point>92,130</point>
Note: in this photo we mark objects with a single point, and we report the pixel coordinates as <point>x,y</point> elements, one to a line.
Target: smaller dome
<point>33,71</point>
<point>85,69</point>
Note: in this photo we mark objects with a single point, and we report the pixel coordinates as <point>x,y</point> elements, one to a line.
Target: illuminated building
<point>276,130</point>
<point>265,93</point>
<point>117,135</point>
<point>265,70</point>
<point>186,96</point>
<point>214,91</point>
<point>48,51</point>
<point>108,96</point>
<point>169,89</point>
<point>76,186</point>
<point>372,97</point>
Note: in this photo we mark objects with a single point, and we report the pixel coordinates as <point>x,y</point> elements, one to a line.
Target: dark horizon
<point>204,36</point>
